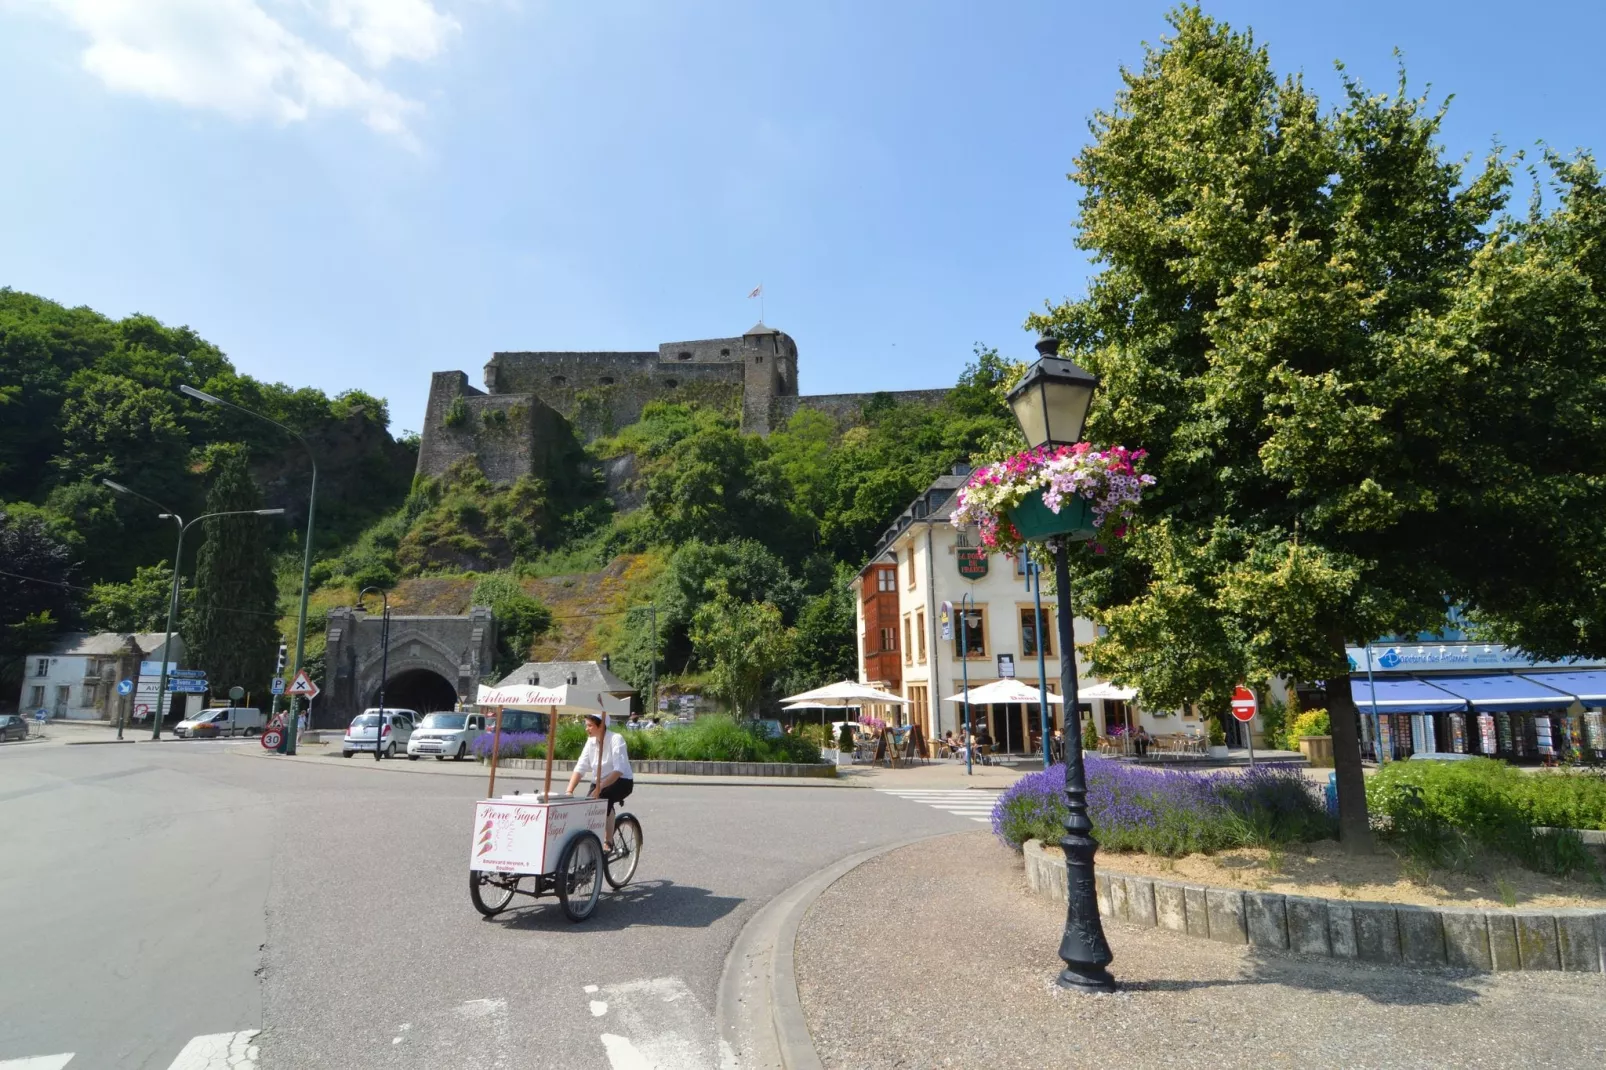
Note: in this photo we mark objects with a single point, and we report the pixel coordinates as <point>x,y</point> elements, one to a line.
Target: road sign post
<point>1243,708</point>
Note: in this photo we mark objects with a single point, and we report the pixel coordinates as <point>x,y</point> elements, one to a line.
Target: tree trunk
<point>1354,827</point>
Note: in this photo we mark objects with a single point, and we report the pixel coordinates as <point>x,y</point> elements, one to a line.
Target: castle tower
<point>769,359</point>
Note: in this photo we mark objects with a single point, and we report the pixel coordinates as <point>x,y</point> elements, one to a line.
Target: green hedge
<point>1438,810</point>
<point>708,739</point>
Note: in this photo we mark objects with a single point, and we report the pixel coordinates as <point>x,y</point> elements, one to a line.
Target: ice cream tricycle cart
<point>544,843</point>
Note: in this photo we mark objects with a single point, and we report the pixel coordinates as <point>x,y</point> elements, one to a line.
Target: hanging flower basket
<point>1072,492</point>
<point>1036,521</point>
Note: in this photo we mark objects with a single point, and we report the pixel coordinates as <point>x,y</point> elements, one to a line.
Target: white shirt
<point>615,759</point>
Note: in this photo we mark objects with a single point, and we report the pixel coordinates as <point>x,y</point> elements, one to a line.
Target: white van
<point>209,724</point>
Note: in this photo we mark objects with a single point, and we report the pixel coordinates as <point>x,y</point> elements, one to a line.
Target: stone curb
<point>1384,933</point>
<point>774,769</point>
<point>758,1012</point>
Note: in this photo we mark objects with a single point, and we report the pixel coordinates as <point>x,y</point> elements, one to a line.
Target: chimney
<point>962,469</point>
<point>535,679</point>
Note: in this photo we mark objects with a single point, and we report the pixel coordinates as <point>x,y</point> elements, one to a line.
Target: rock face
<point>512,426</point>
<point>358,462</point>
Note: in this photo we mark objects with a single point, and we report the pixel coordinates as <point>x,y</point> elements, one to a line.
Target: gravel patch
<point>882,988</point>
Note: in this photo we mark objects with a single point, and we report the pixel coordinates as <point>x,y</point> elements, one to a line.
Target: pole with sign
<point>1243,708</point>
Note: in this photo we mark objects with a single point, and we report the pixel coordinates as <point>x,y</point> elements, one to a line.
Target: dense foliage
<point>1442,812</point>
<point>1364,387</point>
<point>1168,813</point>
<point>519,618</point>
<point>230,628</point>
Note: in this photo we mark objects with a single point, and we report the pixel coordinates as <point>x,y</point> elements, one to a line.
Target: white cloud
<point>233,57</point>
<point>386,29</point>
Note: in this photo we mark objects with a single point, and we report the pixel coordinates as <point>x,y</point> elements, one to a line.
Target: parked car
<point>12,727</point>
<point>446,735</point>
<point>388,729</point>
<point>221,721</point>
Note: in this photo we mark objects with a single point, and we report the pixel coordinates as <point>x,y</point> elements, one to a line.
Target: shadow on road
<point>649,903</point>
<point>1389,986</point>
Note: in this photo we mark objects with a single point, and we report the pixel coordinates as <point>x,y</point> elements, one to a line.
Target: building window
<point>606,380</point>
<point>911,556</point>
<point>559,380</point>
<point>1020,563</point>
<point>42,667</point>
<point>971,634</point>
<point>722,352</point>
<point>1030,630</point>
<point>920,630</point>
<point>759,359</point>
<point>889,639</point>
<point>908,644</point>
<point>962,538</point>
<point>670,383</point>
<point>92,695</point>
<point>683,355</point>
<point>886,579</point>
<point>36,697</point>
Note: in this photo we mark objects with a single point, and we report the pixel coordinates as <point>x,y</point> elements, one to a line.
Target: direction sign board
<point>189,687</point>
<point>125,687</point>
<point>188,674</point>
<point>302,685</point>
<point>1243,704</point>
<point>1006,666</point>
<point>277,686</point>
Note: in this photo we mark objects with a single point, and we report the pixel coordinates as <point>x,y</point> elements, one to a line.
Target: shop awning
<point>1504,692</point>
<point>1395,694</point>
<point>1587,685</point>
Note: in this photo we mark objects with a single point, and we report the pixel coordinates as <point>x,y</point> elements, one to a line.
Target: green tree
<point>520,618</point>
<point>743,643</point>
<point>35,599</point>
<point>823,641</point>
<point>1364,391</point>
<point>230,628</point>
<point>140,605</point>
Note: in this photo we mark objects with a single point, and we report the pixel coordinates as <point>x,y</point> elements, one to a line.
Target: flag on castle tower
<point>757,290</point>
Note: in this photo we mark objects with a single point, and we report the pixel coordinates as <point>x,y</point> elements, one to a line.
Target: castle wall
<point>599,393</point>
<point>846,408</point>
<point>508,435</point>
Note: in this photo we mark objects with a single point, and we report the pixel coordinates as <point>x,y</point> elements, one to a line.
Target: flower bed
<point>1107,480</point>
<point>1168,813</point>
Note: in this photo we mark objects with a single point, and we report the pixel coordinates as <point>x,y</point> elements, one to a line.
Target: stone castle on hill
<point>535,405</point>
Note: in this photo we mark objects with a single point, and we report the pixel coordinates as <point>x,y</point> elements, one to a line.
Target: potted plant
<point>1090,737</point>
<point>844,752</point>
<point>1218,738</point>
<point>1074,491</point>
<point>1313,732</point>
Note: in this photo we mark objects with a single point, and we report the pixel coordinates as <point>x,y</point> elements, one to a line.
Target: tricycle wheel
<point>491,892</point>
<point>579,876</point>
<point>626,850</point>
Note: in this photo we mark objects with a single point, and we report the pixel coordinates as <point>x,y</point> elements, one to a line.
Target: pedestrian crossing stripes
<point>214,1051</point>
<point>961,802</point>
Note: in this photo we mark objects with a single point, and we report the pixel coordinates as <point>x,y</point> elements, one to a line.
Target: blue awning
<point>1397,694</point>
<point>1504,692</point>
<point>1587,685</point>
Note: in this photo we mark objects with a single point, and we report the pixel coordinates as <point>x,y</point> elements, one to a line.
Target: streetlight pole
<point>172,601</point>
<point>1050,403</point>
<point>964,676</point>
<point>384,661</point>
<point>306,554</point>
<point>1034,581</point>
<point>652,708</point>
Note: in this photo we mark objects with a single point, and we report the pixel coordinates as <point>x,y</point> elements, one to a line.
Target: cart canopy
<point>564,698</point>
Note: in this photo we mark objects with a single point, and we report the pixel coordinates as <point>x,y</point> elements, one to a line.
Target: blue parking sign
<point>277,687</point>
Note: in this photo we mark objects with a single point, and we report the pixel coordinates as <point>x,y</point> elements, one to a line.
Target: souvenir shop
<point>1477,699</point>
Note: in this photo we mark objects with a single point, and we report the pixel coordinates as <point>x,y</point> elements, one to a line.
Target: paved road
<point>188,893</point>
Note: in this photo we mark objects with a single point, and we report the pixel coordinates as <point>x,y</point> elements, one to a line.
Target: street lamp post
<point>1034,582</point>
<point>1050,404</point>
<point>172,601</point>
<point>652,709</point>
<point>964,675</point>
<point>384,661</point>
<point>306,554</point>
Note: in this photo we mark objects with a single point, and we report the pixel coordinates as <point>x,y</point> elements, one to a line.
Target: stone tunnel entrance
<point>419,690</point>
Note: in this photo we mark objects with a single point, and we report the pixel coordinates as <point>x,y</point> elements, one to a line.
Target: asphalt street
<point>161,895</point>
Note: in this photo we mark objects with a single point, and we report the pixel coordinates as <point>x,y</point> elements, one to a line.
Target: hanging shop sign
<point>972,562</point>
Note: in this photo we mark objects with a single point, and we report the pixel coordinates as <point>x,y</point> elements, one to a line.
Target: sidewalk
<point>883,986</point>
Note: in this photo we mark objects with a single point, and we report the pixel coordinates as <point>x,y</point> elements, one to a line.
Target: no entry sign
<point>1243,704</point>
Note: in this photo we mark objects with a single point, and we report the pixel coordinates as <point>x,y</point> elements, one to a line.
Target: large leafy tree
<point>230,629</point>
<point>140,605</point>
<point>35,596</point>
<point>743,644</point>
<point>1363,389</point>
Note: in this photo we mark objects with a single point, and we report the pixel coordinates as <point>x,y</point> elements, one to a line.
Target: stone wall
<point>847,408</point>
<point>1383,933</point>
<point>599,393</point>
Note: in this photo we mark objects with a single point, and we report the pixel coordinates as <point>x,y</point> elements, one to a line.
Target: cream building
<point>922,562</point>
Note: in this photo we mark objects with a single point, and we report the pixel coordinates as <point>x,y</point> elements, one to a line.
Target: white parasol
<point>1002,691</point>
<point>848,693</point>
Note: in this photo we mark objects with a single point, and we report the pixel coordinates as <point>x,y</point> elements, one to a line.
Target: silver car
<point>388,730</point>
<point>446,735</point>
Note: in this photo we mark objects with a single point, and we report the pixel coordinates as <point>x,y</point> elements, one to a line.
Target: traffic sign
<point>125,687</point>
<point>302,685</point>
<point>187,687</point>
<point>271,739</point>
<point>277,686</point>
<point>188,674</point>
<point>1243,704</point>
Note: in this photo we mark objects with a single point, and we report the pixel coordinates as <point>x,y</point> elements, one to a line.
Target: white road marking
<point>657,1024</point>
<point>37,1062</point>
<point>590,989</point>
<point>961,802</point>
<point>598,1008</point>
<point>218,1051</point>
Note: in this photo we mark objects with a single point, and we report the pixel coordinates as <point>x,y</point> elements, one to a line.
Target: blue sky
<point>359,192</point>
